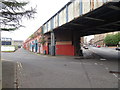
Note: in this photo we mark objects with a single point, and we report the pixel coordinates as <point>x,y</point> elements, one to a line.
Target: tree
<point>11,14</point>
<point>112,40</point>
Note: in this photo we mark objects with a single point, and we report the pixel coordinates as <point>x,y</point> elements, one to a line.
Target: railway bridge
<point>80,18</point>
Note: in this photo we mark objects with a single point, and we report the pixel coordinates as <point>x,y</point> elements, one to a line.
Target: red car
<point>98,46</point>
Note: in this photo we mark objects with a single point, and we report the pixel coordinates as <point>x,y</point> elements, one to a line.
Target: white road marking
<point>106,68</point>
<point>102,59</point>
<point>115,75</point>
<point>21,65</point>
<point>18,65</point>
<point>95,63</point>
<point>116,51</point>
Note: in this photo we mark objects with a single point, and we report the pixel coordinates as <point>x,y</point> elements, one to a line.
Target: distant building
<point>9,41</point>
<point>85,41</point>
<point>99,38</point>
<point>18,43</point>
<point>91,42</point>
<point>6,41</point>
<point>82,41</point>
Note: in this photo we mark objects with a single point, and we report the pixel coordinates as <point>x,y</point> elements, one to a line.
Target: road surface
<point>43,71</point>
<point>105,52</point>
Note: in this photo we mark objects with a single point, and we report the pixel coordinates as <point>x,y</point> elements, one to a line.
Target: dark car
<point>85,47</point>
<point>118,48</point>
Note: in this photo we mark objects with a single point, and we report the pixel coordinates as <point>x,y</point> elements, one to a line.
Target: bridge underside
<point>101,20</point>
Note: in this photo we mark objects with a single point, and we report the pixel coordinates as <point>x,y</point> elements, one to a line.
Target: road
<point>105,52</point>
<point>43,71</point>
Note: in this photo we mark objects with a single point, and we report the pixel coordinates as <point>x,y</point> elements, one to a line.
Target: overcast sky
<point>45,10</point>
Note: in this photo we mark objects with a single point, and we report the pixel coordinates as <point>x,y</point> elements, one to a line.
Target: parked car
<point>118,48</point>
<point>98,46</point>
<point>94,45</point>
<point>85,47</point>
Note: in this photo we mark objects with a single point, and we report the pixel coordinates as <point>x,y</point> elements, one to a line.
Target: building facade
<point>6,41</point>
<point>9,41</point>
<point>34,44</point>
<point>99,38</point>
<point>40,43</point>
<point>91,42</point>
<point>18,43</point>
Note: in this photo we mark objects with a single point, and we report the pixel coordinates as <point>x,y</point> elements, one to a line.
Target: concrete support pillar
<point>80,51</point>
<point>52,43</point>
<point>76,43</point>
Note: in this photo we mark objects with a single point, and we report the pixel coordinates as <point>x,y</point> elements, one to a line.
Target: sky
<point>45,10</point>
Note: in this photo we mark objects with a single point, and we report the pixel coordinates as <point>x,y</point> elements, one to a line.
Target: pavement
<point>42,71</point>
<point>0,75</point>
<point>8,74</point>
